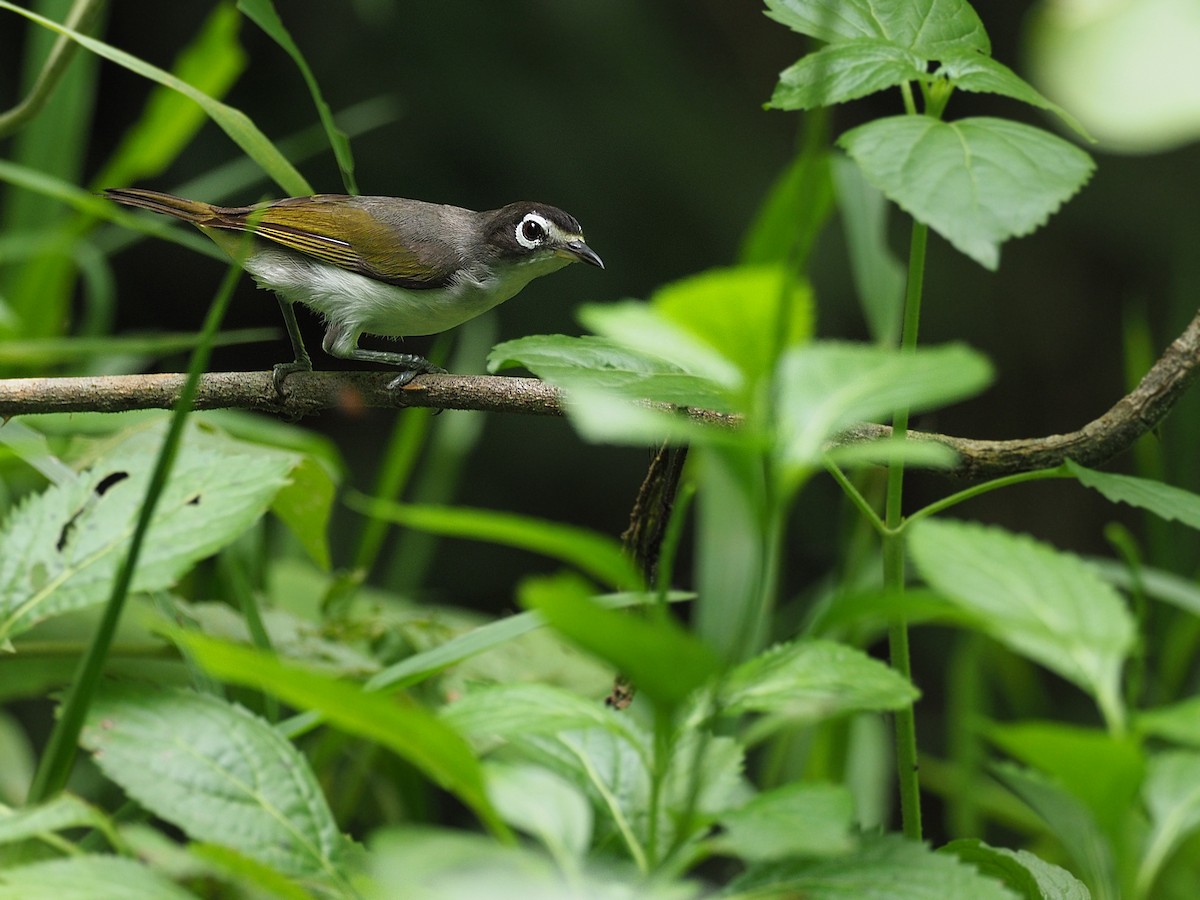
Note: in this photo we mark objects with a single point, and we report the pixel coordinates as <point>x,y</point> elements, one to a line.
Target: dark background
<point>645,121</point>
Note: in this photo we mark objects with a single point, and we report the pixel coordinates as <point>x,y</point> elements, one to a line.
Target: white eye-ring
<point>532,231</point>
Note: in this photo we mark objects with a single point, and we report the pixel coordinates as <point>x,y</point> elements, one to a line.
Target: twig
<point>308,393</point>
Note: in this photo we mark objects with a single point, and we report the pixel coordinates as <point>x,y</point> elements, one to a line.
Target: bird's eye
<point>532,230</point>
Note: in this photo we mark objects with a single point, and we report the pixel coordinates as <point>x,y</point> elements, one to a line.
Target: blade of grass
<point>264,15</point>
<point>235,123</point>
<point>59,757</point>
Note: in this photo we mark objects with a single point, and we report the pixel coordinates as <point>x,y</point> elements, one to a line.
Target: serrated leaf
<point>1172,796</point>
<point>845,71</point>
<point>813,680</point>
<point>63,547</point>
<point>884,866</point>
<point>1021,871</point>
<point>403,727</point>
<point>982,74</point>
<point>826,387</point>
<point>218,772</point>
<point>1043,603</point>
<point>86,878</point>
<point>976,182</point>
<point>604,364</point>
<point>928,27</point>
<point>794,820</point>
<point>1164,500</point>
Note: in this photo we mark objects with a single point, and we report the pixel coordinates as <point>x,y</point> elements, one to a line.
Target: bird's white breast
<point>356,303</point>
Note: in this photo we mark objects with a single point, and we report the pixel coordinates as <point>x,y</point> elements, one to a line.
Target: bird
<point>385,266</point>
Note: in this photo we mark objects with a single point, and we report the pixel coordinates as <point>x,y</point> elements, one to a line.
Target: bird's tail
<point>194,211</point>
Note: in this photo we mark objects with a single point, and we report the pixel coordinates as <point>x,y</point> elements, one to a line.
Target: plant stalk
<point>893,555</point>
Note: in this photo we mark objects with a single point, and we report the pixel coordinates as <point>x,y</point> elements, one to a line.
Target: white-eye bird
<point>381,265</point>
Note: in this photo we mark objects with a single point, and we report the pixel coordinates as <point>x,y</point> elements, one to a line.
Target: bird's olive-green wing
<point>335,230</point>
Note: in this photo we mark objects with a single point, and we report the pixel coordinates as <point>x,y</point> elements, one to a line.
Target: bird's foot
<point>412,368</point>
<point>282,370</point>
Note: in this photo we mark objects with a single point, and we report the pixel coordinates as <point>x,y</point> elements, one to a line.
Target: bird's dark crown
<point>522,228</point>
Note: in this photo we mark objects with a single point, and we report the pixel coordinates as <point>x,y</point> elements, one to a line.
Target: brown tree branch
<point>308,393</point>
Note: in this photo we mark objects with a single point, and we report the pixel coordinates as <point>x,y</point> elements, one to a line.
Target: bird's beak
<point>582,252</point>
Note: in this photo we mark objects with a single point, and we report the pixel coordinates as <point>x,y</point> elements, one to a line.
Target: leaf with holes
<point>62,547</point>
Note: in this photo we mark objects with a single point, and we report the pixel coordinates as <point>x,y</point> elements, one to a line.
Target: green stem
<point>988,486</point>
<point>893,554</point>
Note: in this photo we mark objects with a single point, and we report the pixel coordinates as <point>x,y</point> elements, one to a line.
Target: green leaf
<point>1103,771</point>
<point>845,71</point>
<point>826,387</point>
<point>1030,876</point>
<point>598,555</point>
<point>1182,593</point>
<point>982,74</point>
<point>304,506</point>
<point>1172,795</point>
<point>264,15</point>
<point>406,729</point>
<point>216,771</point>
<point>86,878</point>
<point>976,182</point>
<point>1164,500</point>
<point>794,820</point>
<point>813,680</point>
<point>643,328</point>
<point>878,275</point>
<point>63,812</point>
<point>796,207</point>
<point>1178,722</point>
<point>63,546</point>
<point>506,712</point>
<point>1045,604</point>
<point>211,63</point>
<point>927,27</point>
<point>1067,820</point>
<point>579,362</point>
<point>419,666</point>
<point>656,654</point>
<point>544,805</point>
<point>233,122</point>
<point>748,314</point>
<point>884,866</point>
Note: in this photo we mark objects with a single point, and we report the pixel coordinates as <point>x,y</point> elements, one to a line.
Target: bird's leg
<point>302,362</point>
<point>344,345</point>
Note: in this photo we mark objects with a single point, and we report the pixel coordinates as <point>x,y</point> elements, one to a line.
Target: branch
<point>308,393</point>
<point>1096,442</point>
